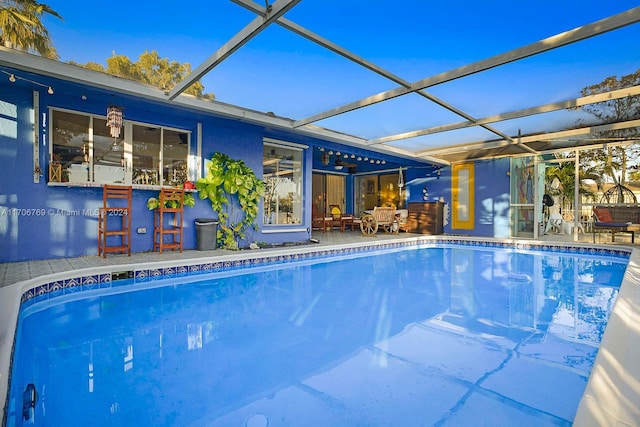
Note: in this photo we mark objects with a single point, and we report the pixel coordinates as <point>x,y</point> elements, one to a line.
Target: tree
<point>21,27</point>
<point>152,70</point>
<point>565,174</point>
<point>615,161</point>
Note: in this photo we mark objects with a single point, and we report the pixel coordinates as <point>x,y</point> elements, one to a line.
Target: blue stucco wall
<point>40,221</point>
<point>491,195</point>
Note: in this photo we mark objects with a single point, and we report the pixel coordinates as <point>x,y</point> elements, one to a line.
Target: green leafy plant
<point>230,184</point>
<point>154,202</point>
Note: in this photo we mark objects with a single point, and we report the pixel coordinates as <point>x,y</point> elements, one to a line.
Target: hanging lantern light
<point>324,158</point>
<point>114,120</point>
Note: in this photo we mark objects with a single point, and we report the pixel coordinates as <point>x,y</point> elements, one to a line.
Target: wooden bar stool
<point>167,220</point>
<point>114,220</point>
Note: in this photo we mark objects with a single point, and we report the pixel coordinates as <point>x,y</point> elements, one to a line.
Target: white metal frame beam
<point>258,24</point>
<point>315,38</point>
<point>614,22</point>
<point>487,145</point>
<point>525,112</point>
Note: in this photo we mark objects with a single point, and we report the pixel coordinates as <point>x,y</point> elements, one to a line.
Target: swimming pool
<point>431,336</point>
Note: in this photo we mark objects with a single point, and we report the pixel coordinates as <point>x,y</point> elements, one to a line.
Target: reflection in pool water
<point>439,336</point>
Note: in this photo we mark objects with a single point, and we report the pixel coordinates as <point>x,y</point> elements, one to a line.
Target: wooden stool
<point>114,220</point>
<point>167,220</point>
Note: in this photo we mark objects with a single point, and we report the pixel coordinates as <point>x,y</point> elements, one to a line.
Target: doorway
<point>463,196</point>
<point>328,189</point>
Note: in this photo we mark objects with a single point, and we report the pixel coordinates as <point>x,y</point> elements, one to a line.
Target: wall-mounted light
<point>359,158</point>
<point>12,78</point>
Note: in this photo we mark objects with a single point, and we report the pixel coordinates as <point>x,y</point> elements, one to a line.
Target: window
<point>84,150</point>
<point>282,174</point>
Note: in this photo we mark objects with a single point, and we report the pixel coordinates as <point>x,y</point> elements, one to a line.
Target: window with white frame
<point>282,174</point>
<point>82,150</point>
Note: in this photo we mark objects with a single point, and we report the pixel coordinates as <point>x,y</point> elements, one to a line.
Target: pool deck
<point>15,272</point>
<point>613,390</point>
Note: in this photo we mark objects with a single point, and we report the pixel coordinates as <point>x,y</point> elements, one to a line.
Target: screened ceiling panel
<point>451,80</point>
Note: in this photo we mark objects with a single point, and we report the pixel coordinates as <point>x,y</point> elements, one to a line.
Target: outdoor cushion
<point>603,215</point>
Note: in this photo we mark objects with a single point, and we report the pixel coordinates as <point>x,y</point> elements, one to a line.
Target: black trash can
<point>206,233</point>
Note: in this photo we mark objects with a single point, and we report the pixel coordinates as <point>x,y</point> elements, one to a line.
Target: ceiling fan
<point>339,165</point>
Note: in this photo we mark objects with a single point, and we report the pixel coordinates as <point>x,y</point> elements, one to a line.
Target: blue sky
<point>281,72</point>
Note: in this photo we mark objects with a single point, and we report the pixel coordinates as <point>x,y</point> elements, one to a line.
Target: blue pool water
<point>450,336</point>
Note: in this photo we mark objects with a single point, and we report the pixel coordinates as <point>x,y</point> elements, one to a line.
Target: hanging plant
<point>230,185</point>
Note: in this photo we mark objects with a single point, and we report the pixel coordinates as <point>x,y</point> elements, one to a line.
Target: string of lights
<point>13,78</point>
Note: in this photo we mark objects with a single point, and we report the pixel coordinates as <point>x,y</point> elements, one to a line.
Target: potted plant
<point>234,192</point>
<point>154,202</point>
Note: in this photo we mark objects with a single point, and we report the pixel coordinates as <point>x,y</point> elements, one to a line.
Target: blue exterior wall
<point>492,200</point>
<point>40,221</point>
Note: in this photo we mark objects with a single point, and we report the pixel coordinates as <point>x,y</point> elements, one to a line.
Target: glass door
<point>328,190</point>
<point>523,176</point>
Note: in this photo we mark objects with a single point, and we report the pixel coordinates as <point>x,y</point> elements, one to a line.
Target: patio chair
<point>339,219</point>
<point>319,220</point>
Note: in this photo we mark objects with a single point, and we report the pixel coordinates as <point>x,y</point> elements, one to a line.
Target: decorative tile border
<point>97,281</point>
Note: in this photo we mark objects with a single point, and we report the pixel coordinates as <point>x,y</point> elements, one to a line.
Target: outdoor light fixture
<point>359,158</point>
<point>13,78</point>
<point>366,159</point>
<point>324,158</point>
<point>114,120</point>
